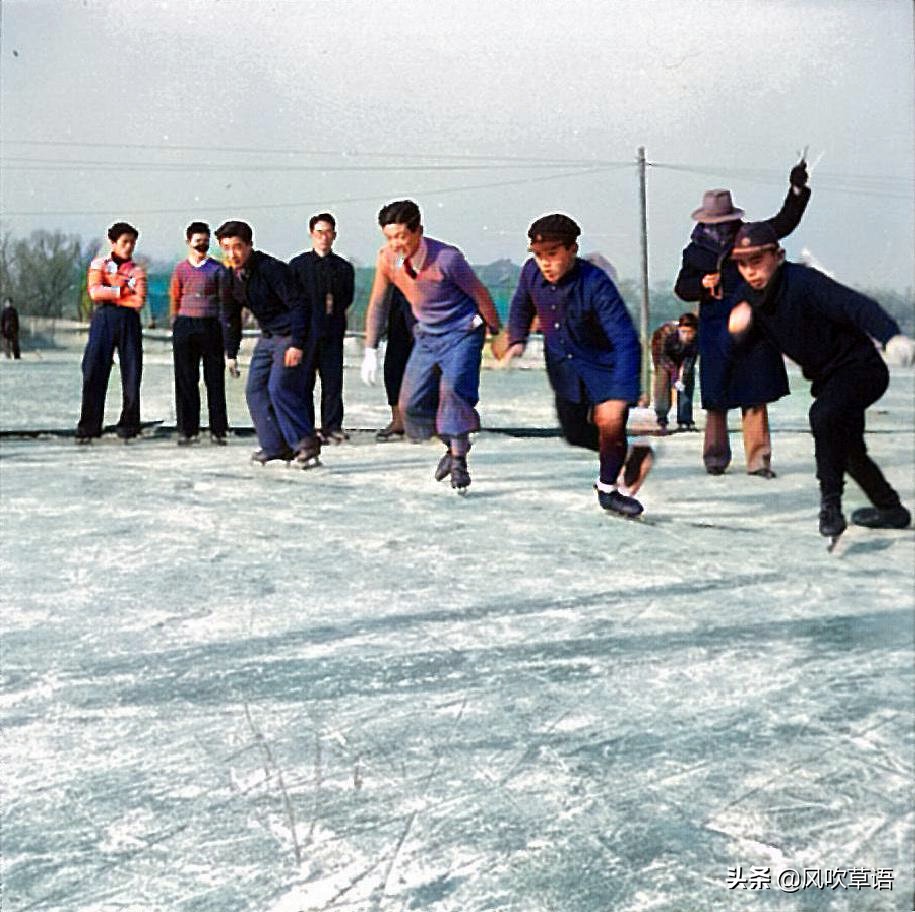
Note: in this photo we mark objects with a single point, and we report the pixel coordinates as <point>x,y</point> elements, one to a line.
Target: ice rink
<point>229,688</point>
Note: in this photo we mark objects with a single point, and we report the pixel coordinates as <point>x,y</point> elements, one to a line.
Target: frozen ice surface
<point>228,687</point>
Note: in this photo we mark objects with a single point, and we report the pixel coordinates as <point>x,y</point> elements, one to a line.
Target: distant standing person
<point>756,376</point>
<point>592,353</point>
<point>117,288</point>
<point>327,281</point>
<point>827,330</point>
<point>9,330</point>
<point>277,375</point>
<point>197,285</point>
<point>673,351</point>
<point>396,354</point>
<point>453,310</point>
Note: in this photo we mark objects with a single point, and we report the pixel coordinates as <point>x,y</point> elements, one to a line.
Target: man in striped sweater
<point>197,287</point>
<point>117,288</point>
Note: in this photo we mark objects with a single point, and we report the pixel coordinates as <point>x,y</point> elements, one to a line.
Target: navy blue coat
<point>756,374</point>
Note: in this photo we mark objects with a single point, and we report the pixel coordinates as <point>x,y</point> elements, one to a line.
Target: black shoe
<point>187,439</point>
<point>460,477</point>
<point>763,473</point>
<point>219,440</point>
<point>263,457</point>
<point>335,436</point>
<point>714,470</point>
<point>83,441</point>
<point>832,522</point>
<point>443,469</point>
<point>614,502</point>
<point>389,432</point>
<point>875,518</point>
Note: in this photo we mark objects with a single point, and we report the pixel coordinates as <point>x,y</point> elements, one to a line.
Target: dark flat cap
<point>555,227</point>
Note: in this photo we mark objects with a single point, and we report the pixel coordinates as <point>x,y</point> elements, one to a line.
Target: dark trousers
<point>113,329</point>
<point>276,397</point>
<point>11,347</point>
<point>327,362</point>
<point>837,423</point>
<point>196,340</point>
<point>580,431</point>
<point>664,379</point>
<point>397,353</point>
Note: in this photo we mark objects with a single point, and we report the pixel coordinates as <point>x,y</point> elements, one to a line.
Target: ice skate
<point>614,502</point>
<point>335,436</point>
<point>832,522</point>
<point>460,477</point>
<point>262,457</point>
<point>219,440</point>
<point>187,440</point>
<point>443,469</point>
<point>390,432</point>
<point>897,517</point>
<point>308,454</point>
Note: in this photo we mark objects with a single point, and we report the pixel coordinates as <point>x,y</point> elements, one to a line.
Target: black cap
<point>555,227</point>
<point>754,237</point>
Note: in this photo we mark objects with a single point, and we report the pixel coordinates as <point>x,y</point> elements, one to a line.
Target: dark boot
<point>460,477</point>
<point>443,469</point>
<point>263,457</point>
<point>874,518</point>
<point>832,522</point>
<point>614,502</point>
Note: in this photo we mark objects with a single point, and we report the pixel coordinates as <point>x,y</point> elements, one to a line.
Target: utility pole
<point>644,335</point>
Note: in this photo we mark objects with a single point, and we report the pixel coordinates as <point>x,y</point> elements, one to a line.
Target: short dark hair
<point>688,319</point>
<point>119,228</point>
<point>401,212</point>
<point>237,229</point>
<point>197,228</point>
<point>322,217</point>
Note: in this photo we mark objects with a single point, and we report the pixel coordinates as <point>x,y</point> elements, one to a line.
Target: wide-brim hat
<point>753,238</point>
<point>717,206</point>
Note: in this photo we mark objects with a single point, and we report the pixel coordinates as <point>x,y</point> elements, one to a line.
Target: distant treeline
<point>45,275</point>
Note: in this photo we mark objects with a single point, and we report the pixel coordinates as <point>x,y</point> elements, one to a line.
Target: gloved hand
<point>799,176</point>
<point>232,365</point>
<point>369,369</point>
<point>131,283</point>
<point>900,351</point>
<point>679,386</point>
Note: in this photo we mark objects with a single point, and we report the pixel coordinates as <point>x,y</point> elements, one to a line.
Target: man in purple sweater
<point>453,310</point>
<point>197,285</point>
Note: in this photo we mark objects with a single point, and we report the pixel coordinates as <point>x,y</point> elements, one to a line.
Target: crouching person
<point>277,376</point>
<point>826,328</point>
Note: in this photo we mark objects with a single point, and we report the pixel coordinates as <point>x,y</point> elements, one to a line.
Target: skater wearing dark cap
<point>591,349</point>
<point>117,289</point>
<point>277,376</point>
<point>827,329</point>
<point>453,310</point>
<point>673,353</point>
<point>757,375</point>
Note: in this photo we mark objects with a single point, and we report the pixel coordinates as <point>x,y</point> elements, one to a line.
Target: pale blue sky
<point>727,90</point>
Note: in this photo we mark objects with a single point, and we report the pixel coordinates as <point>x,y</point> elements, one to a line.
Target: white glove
<point>900,351</point>
<point>369,366</point>
<point>679,386</point>
<point>232,365</point>
<point>132,283</point>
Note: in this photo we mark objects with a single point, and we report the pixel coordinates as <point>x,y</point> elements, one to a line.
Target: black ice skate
<point>460,477</point>
<point>263,457</point>
<point>897,517</point>
<point>443,469</point>
<point>620,504</point>
<point>308,453</point>
<point>832,522</point>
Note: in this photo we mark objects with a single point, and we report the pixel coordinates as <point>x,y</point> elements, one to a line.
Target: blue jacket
<point>268,289</point>
<point>588,335</point>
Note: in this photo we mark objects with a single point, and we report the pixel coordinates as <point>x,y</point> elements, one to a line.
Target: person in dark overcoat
<point>756,376</point>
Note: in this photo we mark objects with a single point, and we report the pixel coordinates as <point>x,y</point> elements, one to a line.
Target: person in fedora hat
<point>756,376</point>
<point>827,329</point>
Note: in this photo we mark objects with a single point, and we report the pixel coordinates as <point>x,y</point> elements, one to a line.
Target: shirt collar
<point>418,260</point>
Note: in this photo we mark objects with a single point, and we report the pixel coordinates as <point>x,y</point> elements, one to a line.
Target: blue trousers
<point>441,384</point>
<point>113,329</point>
<point>276,397</point>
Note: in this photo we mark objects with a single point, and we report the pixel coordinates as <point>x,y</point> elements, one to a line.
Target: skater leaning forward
<point>453,310</point>
<point>117,289</point>
<point>277,376</point>
<point>591,349</point>
<point>825,327</point>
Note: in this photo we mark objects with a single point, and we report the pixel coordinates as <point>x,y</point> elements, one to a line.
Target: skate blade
<point>461,492</point>
<point>833,541</point>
